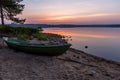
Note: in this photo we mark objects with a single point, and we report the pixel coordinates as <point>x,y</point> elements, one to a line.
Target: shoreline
<point>72,65</point>
<point>96,57</point>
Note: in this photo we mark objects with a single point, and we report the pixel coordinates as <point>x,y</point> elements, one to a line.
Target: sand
<point>72,65</point>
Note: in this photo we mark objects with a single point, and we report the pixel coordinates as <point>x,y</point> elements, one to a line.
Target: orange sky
<point>72,11</point>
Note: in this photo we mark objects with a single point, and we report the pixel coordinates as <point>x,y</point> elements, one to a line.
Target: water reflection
<point>102,42</point>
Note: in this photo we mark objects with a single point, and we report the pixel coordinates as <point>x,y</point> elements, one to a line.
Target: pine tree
<point>9,9</point>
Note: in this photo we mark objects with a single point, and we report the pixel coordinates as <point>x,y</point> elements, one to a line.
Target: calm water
<point>103,42</point>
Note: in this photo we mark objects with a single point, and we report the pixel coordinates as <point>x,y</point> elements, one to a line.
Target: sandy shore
<point>73,65</point>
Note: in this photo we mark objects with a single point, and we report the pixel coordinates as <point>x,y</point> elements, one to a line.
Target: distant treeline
<point>63,25</point>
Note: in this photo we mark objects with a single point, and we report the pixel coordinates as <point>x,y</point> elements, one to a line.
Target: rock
<point>0,46</point>
<point>78,57</point>
<point>86,46</point>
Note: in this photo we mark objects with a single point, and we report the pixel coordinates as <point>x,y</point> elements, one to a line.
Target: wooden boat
<point>51,50</point>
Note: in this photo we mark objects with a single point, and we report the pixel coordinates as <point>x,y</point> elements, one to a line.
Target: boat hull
<point>50,50</point>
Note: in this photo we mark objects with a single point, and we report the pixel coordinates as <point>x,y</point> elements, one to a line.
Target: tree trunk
<point>2,16</point>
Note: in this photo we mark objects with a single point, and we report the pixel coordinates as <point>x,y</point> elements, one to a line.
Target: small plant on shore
<point>40,36</point>
<point>23,37</point>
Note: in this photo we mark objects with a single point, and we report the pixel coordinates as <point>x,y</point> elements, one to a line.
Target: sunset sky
<point>72,11</point>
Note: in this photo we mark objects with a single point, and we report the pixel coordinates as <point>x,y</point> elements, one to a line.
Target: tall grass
<point>21,32</point>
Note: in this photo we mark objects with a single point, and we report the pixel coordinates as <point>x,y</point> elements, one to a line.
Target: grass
<point>22,33</point>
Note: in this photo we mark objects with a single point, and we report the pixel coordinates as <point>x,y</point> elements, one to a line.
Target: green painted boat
<point>50,50</point>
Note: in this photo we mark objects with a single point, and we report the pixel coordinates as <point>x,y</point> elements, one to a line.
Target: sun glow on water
<point>103,42</point>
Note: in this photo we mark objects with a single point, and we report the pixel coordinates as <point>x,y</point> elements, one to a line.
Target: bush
<point>6,29</point>
<point>23,37</point>
<point>40,36</point>
<point>20,32</point>
<point>26,30</point>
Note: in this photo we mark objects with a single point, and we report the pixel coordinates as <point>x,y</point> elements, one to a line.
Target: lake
<point>102,42</point>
